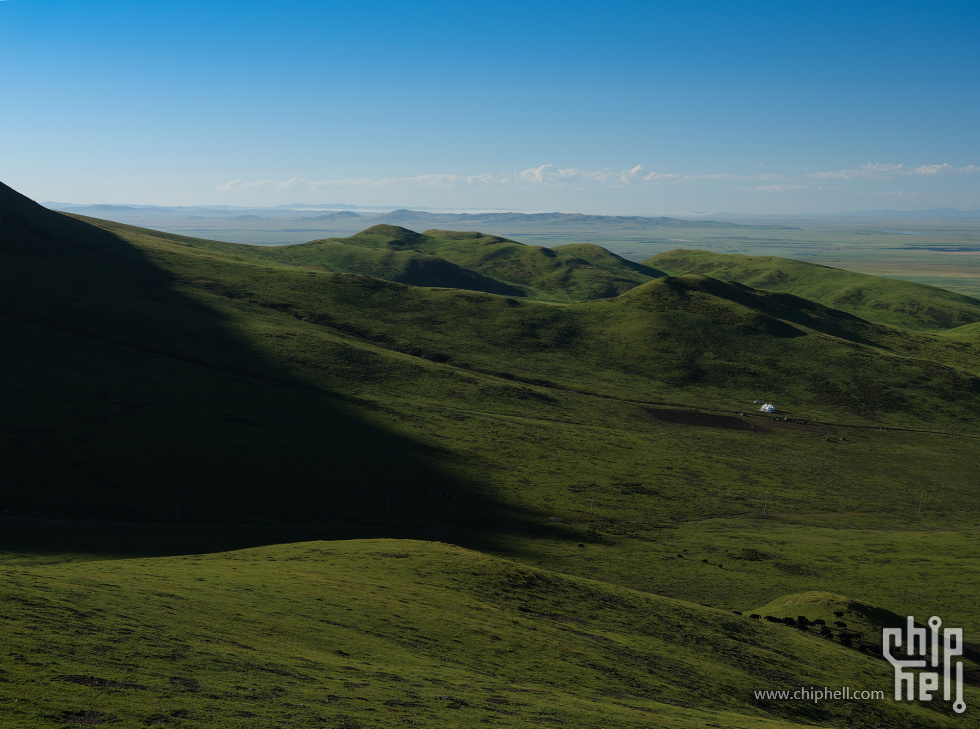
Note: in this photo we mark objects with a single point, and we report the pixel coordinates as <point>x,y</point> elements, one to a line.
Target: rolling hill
<point>886,300</point>
<point>471,261</point>
<point>353,634</point>
<point>167,396</point>
<point>254,370</point>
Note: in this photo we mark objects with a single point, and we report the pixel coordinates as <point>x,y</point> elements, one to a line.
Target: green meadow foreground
<point>397,632</point>
<point>479,482</point>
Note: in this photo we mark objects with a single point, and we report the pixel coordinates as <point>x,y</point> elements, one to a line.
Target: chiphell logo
<point>938,649</point>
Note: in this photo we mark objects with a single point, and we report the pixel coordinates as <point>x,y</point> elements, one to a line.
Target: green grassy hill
<point>136,346</point>
<point>254,372</point>
<point>379,633</point>
<point>886,300</point>
<point>402,266</point>
<point>966,333</point>
<point>471,261</point>
<point>157,379</point>
<point>862,622</point>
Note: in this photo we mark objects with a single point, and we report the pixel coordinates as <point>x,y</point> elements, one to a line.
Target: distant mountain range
<point>400,216</point>
<point>552,220</point>
<point>347,220</point>
<point>373,211</point>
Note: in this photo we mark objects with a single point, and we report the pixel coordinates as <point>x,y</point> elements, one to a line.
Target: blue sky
<point>622,107</point>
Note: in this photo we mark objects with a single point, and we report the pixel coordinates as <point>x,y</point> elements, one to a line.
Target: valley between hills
<point>443,478</point>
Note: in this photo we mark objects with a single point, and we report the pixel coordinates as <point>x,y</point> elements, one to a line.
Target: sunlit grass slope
<point>862,621</point>
<point>471,261</point>
<point>965,333</point>
<point>886,300</point>
<point>382,633</point>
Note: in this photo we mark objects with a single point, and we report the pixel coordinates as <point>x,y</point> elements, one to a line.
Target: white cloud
<point>880,171</point>
<point>872,169</point>
<point>715,177</point>
<point>294,183</point>
<point>552,174</point>
<point>543,175</point>
<point>306,184</point>
<point>944,169</point>
<point>780,188</point>
<point>430,180</point>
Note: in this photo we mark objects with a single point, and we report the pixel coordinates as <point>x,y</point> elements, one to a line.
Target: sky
<point>626,108</point>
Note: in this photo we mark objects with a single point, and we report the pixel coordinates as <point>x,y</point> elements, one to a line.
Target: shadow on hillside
<point>132,402</point>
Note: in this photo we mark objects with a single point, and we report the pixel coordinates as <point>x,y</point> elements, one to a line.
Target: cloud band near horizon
<point>550,174</point>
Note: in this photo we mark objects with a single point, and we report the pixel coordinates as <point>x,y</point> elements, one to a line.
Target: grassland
<point>389,632</point>
<point>172,396</point>
<point>464,260</point>
<point>890,301</point>
<point>941,252</point>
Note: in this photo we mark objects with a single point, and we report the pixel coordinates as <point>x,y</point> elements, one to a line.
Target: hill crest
<point>472,260</point>
<point>885,300</point>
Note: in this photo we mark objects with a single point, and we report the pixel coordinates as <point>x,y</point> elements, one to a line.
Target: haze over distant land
<point>935,247</point>
<point>346,210</point>
<point>633,109</point>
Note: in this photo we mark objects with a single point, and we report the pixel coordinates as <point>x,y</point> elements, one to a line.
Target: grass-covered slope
<point>965,333</point>
<point>862,623</point>
<point>154,379</point>
<point>886,300</point>
<point>381,633</point>
<point>154,371</point>
<point>472,261</point>
<point>740,339</point>
<point>131,395</point>
<point>402,266</point>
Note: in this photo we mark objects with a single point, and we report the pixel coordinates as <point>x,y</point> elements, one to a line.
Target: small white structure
<point>767,408</point>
